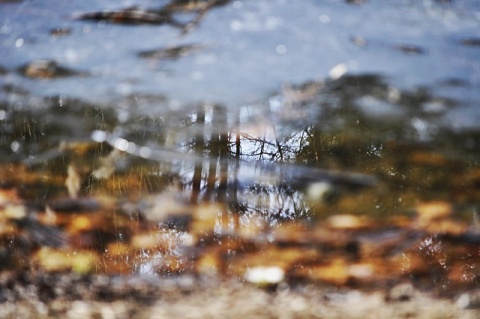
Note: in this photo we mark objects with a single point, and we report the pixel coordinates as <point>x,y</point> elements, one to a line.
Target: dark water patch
<point>471,42</point>
<point>456,82</point>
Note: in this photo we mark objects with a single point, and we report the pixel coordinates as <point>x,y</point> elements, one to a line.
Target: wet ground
<point>239,148</point>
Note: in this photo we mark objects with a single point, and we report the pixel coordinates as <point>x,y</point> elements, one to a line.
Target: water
<point>352,129</point>
<point>275,43</point>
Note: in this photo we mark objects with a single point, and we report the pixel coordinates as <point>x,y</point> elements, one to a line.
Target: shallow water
<point>412,44</point>
<point>332,142</point>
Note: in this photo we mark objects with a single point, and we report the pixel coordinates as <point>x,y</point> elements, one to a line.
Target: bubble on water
<point>124,88</point>
<point>15,146</point>
<point>394,95</point>
<point>120,144</point>
<point>86,29</point>
<point>131,147</point>
<point>375,150</point>
<point>338,71</point>
<point>2,115</point>
<point>99,136</point>
<point>197,76</point>
<point>101,24</point>
<point>281,49</point>
<point>272,23</point>
<point>123,116</point>
<point>237,5</point>
<point>19,42</point>
<point>324,18</point>
<point>5,29</point>
<point>236,25</point>
<point>319,191</point>
<point>145,152</point>
<point>206,59</point>
<point>71,56</point>
<point>421,127</point>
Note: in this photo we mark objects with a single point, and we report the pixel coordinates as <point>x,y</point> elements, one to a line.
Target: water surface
<point>321,142</point>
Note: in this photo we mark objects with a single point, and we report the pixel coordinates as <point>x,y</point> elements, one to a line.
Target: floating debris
<point>165,15</point>
<point>47,69</point>
<point>132,16</point>
<point>172,52</point>
<point>194,5</point>
<point>338,71</point>
<point>358,41</point>
<point>60,32</point>
<point>410,49</point>
<point>471,42</point>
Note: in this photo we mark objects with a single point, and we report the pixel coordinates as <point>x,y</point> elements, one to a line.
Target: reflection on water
<point>313,176</point>
<point>345,180</point>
